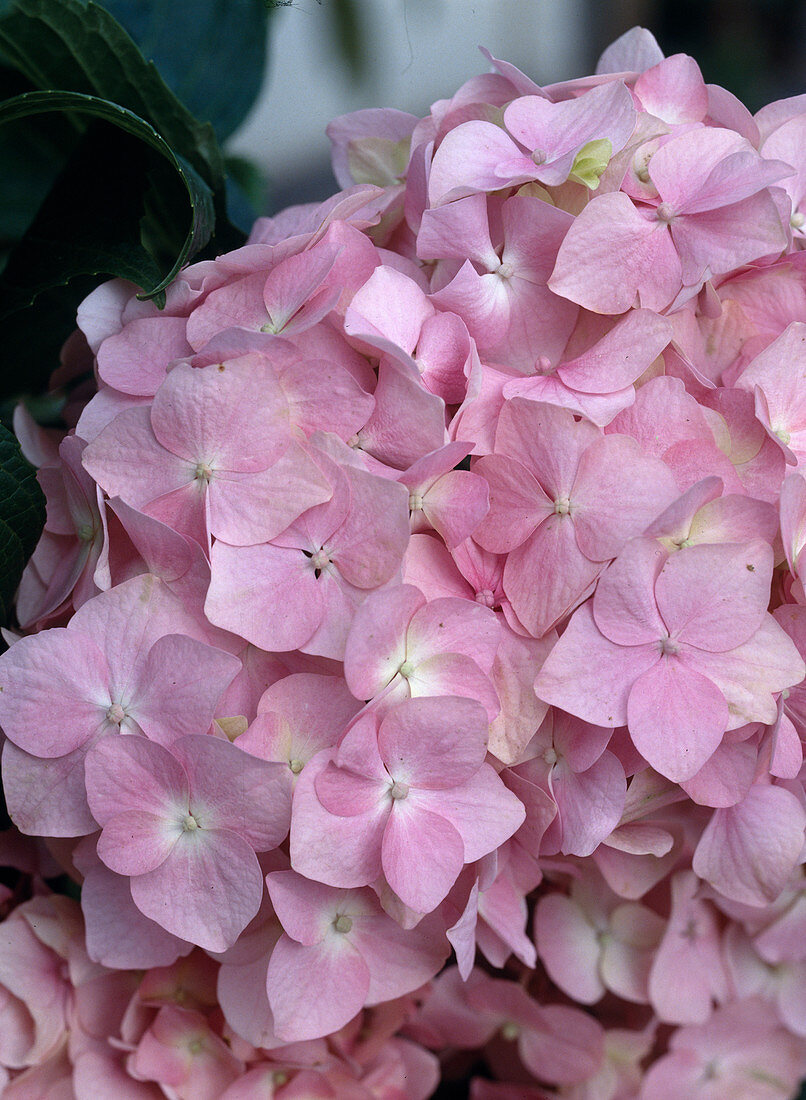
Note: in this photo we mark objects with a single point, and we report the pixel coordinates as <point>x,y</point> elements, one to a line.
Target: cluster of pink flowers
<point>411,668</point>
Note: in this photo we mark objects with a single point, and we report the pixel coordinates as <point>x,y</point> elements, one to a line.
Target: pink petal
<point>339,851</point>
<point>422,856</point>
<point>676,718</point>
<point>178,687</point>
<point>518,504</point>
<point>135,842</point>
<point>613,256</point>
<point>266,594</point>
<point>314,991</point>
<point>230,789</point>
<point>548,575</point>
<point>624,606</point>
<point>376,646</point>
<point>62,665</point>
<point>132,773</point>
<point>434,742</point>
<point>302,907</point>
<point>715,597</point>
<point>47,797</point>
<point>617,492</point>
<point>569,947</point>
<point>206,891</point>
<point>483,811</point>
<point>748,851</point>
<point>590,676</point>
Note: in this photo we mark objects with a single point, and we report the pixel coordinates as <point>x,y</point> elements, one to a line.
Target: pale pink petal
<point>62,665</point>
<point>132,773</point>
<point>547,575</point>
<point>617,492</point>
<point>613,257</point>
<point>135,842</point>
<point>749,850</point>
<point>343,852</point>
<point>266,594</point>
<point>47,797</point>
<point>422,856</point>
<point>590,676</point>
<point>518,504</point>
<point>568,946</point>
<point>206,891</point>
<point>434,742</point>
<point>376,644</point>
<point>676,718</point>
<point>314,991</point>
<point>482,810</point>
<point>624,606</point>
<point>715,597</point>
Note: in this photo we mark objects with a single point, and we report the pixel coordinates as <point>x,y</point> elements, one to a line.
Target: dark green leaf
<point>32,153</point>
<point>22,517</point>
<point>212,53</point>
<point>73,254</point>
<point>76,46</point>
<point>91,223</point>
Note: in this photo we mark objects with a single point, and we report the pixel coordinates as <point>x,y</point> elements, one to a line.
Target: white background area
<point>417,51</point>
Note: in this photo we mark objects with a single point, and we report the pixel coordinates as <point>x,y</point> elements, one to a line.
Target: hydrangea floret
<point>411,670</point>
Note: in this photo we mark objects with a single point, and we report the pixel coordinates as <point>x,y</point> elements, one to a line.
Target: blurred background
<point>329,57</point>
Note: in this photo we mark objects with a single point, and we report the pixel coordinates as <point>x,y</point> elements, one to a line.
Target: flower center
<point>550,756</point>
<point>510,1031</point>
<point>189,823</point>
<point>664,212</point>
<point>797,220</point>
<point>406,670</point>
<point>343,923</point>
<point>562,506</point>
<point>415,502</point>
<point>203,472</point>
<point>506,271</point>
<point>543,365</point>
<point>398,790</point>
<point>296,765</point>
<point>86,532</point>
<point>667,646</point>
<point>320,559</point>
<point>116,713</point>
<point>485,597</point>
<point>539,157</point>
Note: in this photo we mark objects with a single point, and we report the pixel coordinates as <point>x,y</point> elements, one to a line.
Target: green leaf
<point>192,42</point>
<point>135,205</point>
<point>77,46</point>
<point>62,250</point>
<point>22,517</point>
